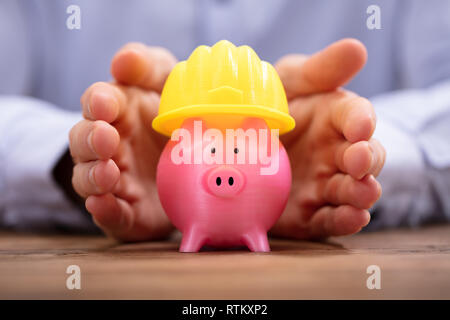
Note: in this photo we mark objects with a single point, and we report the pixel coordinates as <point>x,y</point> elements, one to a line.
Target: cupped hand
<point>115,149</point>
<point>333,157</point>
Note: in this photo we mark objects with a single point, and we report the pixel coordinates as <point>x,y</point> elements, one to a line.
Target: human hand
<point>333,157</point>
<point>115,149</point>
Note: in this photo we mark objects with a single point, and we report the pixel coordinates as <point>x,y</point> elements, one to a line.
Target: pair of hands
<point>333,158</point>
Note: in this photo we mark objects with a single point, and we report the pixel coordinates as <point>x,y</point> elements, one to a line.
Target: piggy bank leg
<point>256,241</point>
<point>192,241</point>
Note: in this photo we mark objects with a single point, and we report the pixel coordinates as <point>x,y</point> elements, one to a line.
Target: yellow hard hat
<point>220,83</point>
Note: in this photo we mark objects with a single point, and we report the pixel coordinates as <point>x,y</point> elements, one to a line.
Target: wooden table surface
<point>413,264</point>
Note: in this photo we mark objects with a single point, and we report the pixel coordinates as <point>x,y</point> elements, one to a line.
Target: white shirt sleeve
<point>414,127</point>
<point>33,136</point>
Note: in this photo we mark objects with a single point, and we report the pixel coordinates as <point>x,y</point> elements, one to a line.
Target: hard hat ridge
<point>223,80</point>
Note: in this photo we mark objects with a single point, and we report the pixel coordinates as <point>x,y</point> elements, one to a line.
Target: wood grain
<point>414,264</point>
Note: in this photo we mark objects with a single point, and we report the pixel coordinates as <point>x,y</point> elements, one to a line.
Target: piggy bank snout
<point>225,181</point>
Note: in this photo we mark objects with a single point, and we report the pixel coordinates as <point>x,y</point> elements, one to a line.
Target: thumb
<point>139,65</point>
<point>324,71</point>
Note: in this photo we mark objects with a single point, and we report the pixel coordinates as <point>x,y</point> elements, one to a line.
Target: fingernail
<point>373,159</point>
<point>89,108</point>
<point>91,176</point>
<point>90,142</point>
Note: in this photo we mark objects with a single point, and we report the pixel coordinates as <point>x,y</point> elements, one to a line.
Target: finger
<point>379,157</point>
<point>95,177</point>
<point>128,189</point>
<point>343,189</point>
<point>92,140</point>
<point>103,101</point>
<point>324,71</point>
<point>139,65</point>
<point>113,215</point>
<point>338,221</point>
<point>352,116</point>
<point>360,158</point>
<point>290,70</point>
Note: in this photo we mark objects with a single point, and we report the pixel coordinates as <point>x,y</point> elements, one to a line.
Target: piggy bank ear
<point>254,123</point>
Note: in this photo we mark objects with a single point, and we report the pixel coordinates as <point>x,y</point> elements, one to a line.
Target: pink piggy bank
<point>224,188</point>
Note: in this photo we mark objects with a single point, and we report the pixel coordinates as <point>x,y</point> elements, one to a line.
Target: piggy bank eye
<point>236,150</point>
<point>213,150</point>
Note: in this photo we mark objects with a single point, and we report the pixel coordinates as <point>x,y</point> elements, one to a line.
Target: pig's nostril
<point>223,181</point>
